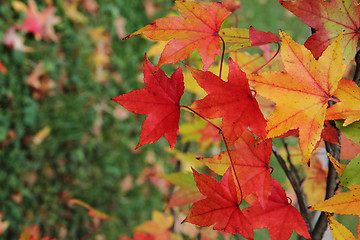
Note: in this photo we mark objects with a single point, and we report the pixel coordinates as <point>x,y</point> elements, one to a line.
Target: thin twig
<point>291,175</point>
<point>222,55</point>
<point>356,77</point>
<point>267,62</point>
<point>292,166</point>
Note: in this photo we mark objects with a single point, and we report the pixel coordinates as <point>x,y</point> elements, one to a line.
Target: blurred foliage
<point>88,150</point>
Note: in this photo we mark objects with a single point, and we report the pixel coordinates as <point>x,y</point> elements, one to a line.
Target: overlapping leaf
<point>339,231</point>
<point>197,29</point>
<point>251,164</point>
<point>279,216</point>
<point>329,18</point>
<point>348,107</point>
<point>232,101</point>
<point>302,92</point>
<point>159,101</point>
<point>346,203</point>
<point>220,207</point>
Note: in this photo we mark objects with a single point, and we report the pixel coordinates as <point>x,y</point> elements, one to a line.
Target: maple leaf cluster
<point>308,91</point>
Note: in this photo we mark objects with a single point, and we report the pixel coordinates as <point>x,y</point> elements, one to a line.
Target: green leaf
<point>351,131</point>
<point>351,176</point>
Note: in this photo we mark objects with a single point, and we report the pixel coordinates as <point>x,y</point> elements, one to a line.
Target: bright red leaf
<point>159,101</point>
<point>197,29</point>
<point>220,207</point>
<point>329,18</point>
<point>251,163</point>
<point>279,216</point>
<point>233,101</point>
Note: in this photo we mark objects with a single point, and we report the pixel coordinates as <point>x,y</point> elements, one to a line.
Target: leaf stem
<point>267,62</point>
<point>226,145</point>
<point>193,111</point>
<point>222,55</point>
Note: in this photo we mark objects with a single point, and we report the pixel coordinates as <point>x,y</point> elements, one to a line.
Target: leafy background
<point>88,151</point>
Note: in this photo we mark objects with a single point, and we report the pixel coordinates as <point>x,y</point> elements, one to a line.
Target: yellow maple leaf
<point>302,92</point>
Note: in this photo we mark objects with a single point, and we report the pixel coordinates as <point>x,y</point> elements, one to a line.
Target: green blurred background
<point>60,135</point>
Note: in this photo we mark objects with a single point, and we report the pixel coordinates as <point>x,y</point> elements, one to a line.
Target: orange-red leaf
<point>232,101</point>
<point>251,162</point>
<point>329,18</point>
<point>302,92</point>
<point>279,216</point>
<point>348,108</point>
<point>220,207</point>
<point>196,29</point>
<point>159,101</point>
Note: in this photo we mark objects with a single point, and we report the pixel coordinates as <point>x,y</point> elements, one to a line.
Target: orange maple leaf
<point>302,92</point>
<point>346,203</point>
<point>197,29</point>
<point>348,107</point>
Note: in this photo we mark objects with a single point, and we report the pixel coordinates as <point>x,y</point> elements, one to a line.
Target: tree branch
<point>292,176</point>
<point>356,77</point>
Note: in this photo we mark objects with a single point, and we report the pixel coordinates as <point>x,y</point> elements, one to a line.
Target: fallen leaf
<point>92,211</point>
<point>15,41</point>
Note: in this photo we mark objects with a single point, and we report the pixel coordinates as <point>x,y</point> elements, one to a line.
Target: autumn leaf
<point>41,24</point>
<point>279,216</point>
<point>223,97</point>
<point>187,191</point>
<point>13,40</point>
<point>350,176</point>
<point>329,18</point>
<point>346,203</point>
<point>339,231</point>
<point>351,131</point>
<point>348,107</point>
<point>220,207</point>
<point>251,162</point>
<point>159,226</point>
<point>159,101</point>
<point>244,38</point>
<point>92,211</point>
<point>196,29</point>
<point>302,92</point>
<point>231,5</point>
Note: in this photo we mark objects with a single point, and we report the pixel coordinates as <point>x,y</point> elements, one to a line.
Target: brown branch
<point>293,178</point>
<point>356,77</point>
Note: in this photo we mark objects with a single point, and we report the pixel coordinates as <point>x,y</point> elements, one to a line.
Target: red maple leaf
<point>233,101</point>
<point>220,207</point>
<point>329,18</point>
<point>251,164</point>
<point>279,216</point>
<point>159,101</point>
<point>197,29</point>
